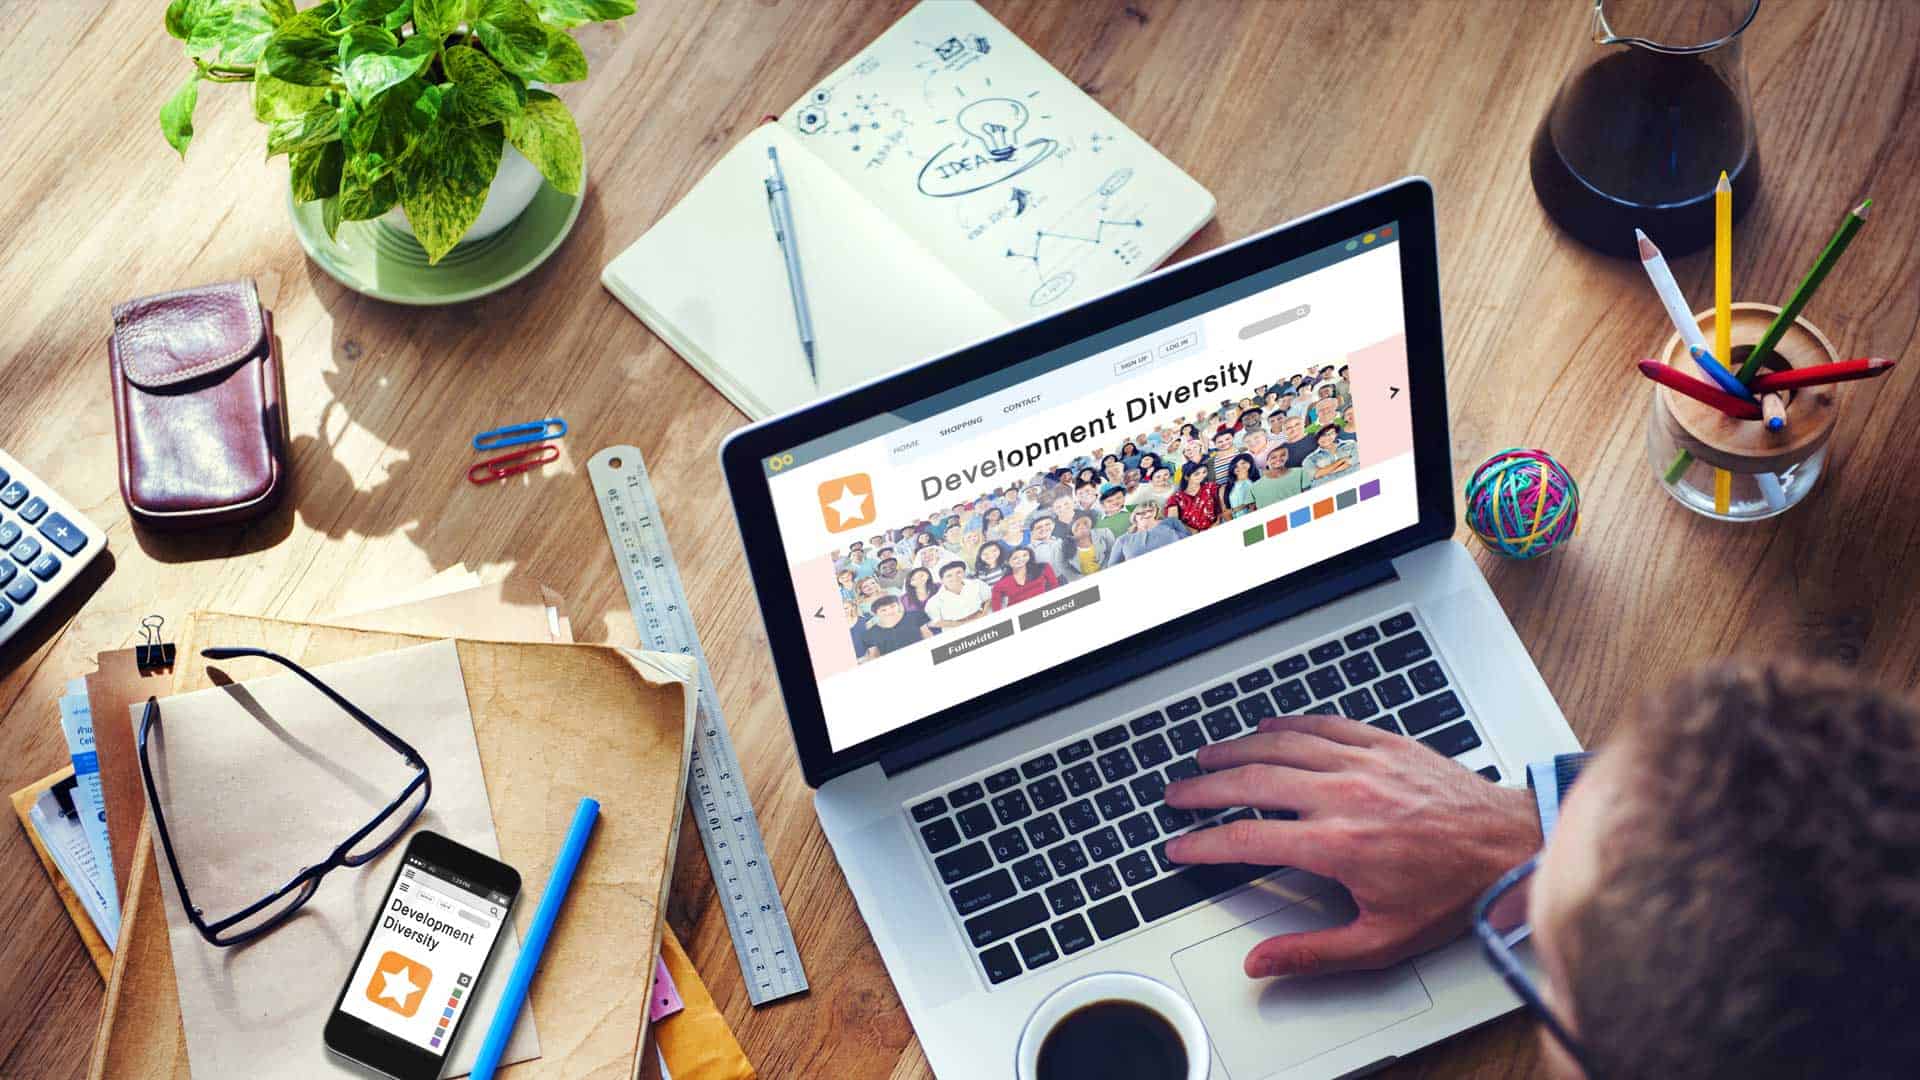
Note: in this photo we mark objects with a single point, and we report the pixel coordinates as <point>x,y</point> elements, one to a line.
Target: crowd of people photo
<point>1018,541</point>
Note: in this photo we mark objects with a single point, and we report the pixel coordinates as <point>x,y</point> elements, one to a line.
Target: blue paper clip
<point>519,434</point>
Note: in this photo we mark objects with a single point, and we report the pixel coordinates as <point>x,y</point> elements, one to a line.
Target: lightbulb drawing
<point>996,122</point>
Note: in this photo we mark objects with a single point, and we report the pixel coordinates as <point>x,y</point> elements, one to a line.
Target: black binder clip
<point>152,654</point>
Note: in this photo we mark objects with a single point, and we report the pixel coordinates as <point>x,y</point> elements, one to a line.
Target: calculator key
<point>966,793</point>
<point>26,549</point>
<point>1148,788</point>
<point>1361,638</point>
<point>1007,844</point>
<point>22,589</point>
<point>13,494</point>
<point>1183,708</point>
<point>1140,725</point>
<point>1138,830</point>
<point>45,567</point>
<point>9,532</point>
<point>1068,858</point>
<point>976,821</point>
<point>1221,724</point>
<point>1325,682</point>
<point>1072,934</point>
<point>6,611</point>
<point>1082,778</point>
<point>1037,767</point>
<point>1044,831</point>
<point>1000,963</point>
<point>64,534</point>
<point>5,478</point>
<point>930,809</point>
<point>1110,738</point>
<point>1394,691</point>
<point>1117,765</point>
<point>1359,669</point>
<point>1424,716</point>
<point>1452,741</point>
<point>1253,680</point>
<point>1186,738</point>
<point>1002,780</point>
<point>1113,802</point>
<point>1325,651</point>
<point>940,835</point>
<point>1007,920</point>
<point>1011,806</point>
<point>1152,751</point>
<point>1397,624</point>
<point>7,571</point>
<point>982,893</point>
<point>1396,653</point>
<point>1047,792</point>
<point>1065,896</point>
<point>1255,708</point>
<point>1078,817</point>
<point>1113,918</point>
<point>963,863</point>
<point>1490,773</point>
<point>1031,872</point>
<point>1291,666</point>
<point>1036,949</point>
<point>1099,882</point>
<point>1137,867</point>
<point>1428,677</point>
<point>1103,844</point>
<point>1291,697</point>
<point>1074,751</point>
<point>35,509</point>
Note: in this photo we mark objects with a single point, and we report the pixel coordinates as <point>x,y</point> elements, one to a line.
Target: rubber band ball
<point>1522,503</point>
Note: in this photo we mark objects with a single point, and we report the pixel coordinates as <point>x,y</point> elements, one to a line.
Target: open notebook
<point>947,184</point>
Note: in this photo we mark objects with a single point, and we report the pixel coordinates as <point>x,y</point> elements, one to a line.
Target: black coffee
<point>1113,1040</point>
<point>1638,140</point>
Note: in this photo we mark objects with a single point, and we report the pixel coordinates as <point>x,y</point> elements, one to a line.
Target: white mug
<point>1115,986</point>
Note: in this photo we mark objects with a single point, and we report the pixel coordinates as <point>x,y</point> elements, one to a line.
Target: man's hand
<point>1413,836</point>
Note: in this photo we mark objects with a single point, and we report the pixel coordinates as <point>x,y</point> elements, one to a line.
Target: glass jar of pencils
<point>1743,469</point>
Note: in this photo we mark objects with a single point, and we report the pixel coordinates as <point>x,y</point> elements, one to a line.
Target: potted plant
<point>407,104</point>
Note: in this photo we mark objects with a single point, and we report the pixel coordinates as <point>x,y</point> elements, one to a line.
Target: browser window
<point>1069,502</point>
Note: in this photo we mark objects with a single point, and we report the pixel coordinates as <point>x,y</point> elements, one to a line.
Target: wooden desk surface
<point>1278,108</point>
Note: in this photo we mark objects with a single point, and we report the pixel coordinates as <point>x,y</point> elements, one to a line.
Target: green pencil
<point>1778,329</point>
<point>1835,247</point>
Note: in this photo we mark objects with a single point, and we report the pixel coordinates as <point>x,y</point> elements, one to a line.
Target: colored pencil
<point>1723,267</point>
<point>1669,291</point>
<point>1722,491</point>
<point>1699,390</point>
<point>1865,367</point>
<point>1808,285</point>
<point>1719,374</point>
<point>1774,410</point>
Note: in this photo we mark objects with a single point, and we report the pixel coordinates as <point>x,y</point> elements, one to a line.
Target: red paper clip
<point>508,464</point>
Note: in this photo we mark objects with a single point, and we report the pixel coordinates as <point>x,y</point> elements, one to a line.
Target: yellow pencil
<point>1723,270</point>
<point>1722,490</point>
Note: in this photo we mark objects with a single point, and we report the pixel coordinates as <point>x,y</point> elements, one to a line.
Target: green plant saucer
<point>387,264</point>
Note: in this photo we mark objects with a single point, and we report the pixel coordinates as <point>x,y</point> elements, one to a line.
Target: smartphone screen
<point>414,980</point>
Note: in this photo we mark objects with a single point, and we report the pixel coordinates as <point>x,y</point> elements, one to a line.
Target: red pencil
<point>1865,367</point>
<point>1699,390</point>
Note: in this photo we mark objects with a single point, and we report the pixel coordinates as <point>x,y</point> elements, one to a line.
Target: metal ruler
<point>716,790</point>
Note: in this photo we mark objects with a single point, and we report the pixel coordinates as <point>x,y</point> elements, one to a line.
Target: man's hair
<point>1758,906</point>
<point>885,600</point>
<point>954,565</point>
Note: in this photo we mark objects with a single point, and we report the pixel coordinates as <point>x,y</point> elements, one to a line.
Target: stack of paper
<point>71,820</point>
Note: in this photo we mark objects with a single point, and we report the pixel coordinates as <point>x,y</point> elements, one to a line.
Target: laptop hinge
<point>967,731</point>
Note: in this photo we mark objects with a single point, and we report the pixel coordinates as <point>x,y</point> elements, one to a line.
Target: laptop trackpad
<point>1262,1026</point>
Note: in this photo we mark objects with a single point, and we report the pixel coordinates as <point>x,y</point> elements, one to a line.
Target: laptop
<point>990,699</point>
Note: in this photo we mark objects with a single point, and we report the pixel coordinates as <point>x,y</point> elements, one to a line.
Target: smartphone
<point>412,984</point>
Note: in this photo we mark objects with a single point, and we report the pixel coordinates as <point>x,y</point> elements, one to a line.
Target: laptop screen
<point>1116,486</point>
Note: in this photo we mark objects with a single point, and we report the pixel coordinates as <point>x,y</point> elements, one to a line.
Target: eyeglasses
<point>363,845</point>
<point>1500,922</point>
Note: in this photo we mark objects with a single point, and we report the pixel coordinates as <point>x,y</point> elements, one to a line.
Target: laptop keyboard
<point>1065,850</point>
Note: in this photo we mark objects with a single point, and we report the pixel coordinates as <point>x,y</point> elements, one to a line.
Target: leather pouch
<point>197,406</point>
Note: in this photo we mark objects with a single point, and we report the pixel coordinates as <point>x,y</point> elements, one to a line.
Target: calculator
<point>44,544</point>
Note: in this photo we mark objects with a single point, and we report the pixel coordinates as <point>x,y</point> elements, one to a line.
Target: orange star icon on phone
<point>399,983</point>
<point>847,503</point>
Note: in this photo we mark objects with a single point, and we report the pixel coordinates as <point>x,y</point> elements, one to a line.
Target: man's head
<point>1042,528</point>
<point>1295,429</point>
<point>1250,418</point>
<point>1143,517</point>
<point>1112,498</point>
<point>1276,462</point>
<point>1085,494</point>
<point>889,565</point>
<point>855,550</point>
<point>1223,439</point>
<point>1328,437</point>
<point>887,611</point>
<point>953,575</point>
<point>1163,478</point>
<point>1255,443</point>
<point>1063,507</point>
<point>1731,891</point>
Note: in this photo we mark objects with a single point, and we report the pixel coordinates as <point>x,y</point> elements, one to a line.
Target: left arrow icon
<point>820,612</point>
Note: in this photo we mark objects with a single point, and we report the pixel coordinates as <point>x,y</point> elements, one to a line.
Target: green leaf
<point>565,62</point>
<point>249,28</point>
<point>209,35</point>
<point>318,125</point>
<point>373,65</point>
<point>479,93</point>
<point>274,99</point>
<point>545,132</point>
<point>444,183</point>
<point>278,10</point>
<point>315,171</point>
<point>376,12</point>
<point>330,216</point>
<point>301,51</point>
<point>514,36</point>
<point>388,129</point>
<point>181,15</point>
<point>176,116</point>
<point>435,19</point>
<point>567,13</point>
<point>364,196</point>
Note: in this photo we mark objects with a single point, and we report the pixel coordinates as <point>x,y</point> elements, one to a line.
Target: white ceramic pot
<point>514,187</point>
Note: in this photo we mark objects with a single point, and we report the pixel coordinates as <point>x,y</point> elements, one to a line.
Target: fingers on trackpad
<point>1263,1026</point>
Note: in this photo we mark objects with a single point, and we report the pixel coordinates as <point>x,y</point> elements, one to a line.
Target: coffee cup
<point>1114,1025</point>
